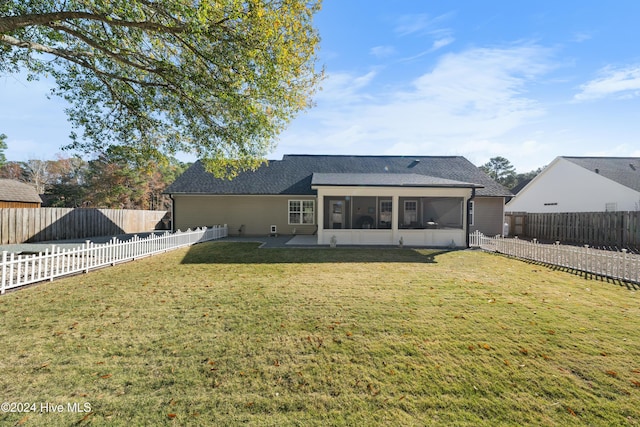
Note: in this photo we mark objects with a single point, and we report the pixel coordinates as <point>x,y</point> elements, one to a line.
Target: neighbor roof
<point>623,170</point>
<point>293,174</point>
<point>16,191</point>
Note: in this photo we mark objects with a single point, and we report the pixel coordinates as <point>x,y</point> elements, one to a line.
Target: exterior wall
<point>488,215</point>
<point>255,214</point>
<point>566,187</point>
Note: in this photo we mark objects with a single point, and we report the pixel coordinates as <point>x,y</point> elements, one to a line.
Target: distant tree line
<point>503,172</point>
<point>122,177</point>
<point>118,178</point>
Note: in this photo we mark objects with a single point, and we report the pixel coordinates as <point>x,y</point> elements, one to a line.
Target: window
<point>301,211</point>
<point>410,212</point>
<point>386,207</point>
<point>472,206</point>
<point>611,207</point>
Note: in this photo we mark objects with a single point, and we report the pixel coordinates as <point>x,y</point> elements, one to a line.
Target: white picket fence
<point>620,265</point>
<point>21,270</point>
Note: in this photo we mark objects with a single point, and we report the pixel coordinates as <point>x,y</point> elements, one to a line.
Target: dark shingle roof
<point>293,174</point>
<point>386,180</point>
<point>623,170</point>
<point>16,191</point>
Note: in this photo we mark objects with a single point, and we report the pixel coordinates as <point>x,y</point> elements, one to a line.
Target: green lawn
<point>228,334</point>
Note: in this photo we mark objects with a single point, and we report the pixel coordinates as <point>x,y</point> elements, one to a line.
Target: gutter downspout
<point>173,213</point>
<point>473,196</point>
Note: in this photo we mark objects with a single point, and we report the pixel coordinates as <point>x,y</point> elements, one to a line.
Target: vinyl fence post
<point>4,273</point>
<point>586,259</point>
<point>54,260</point>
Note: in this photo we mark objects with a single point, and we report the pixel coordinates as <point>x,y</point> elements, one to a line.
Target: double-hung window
<point>301,211</point>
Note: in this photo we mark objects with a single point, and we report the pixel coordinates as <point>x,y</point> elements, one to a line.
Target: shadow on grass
<point>249,253</point>
<point>632,286</point>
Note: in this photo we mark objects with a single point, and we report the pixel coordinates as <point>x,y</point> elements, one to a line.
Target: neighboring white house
<point>582,184</point>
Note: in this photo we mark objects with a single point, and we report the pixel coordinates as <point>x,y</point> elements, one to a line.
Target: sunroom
<point>391,209</point>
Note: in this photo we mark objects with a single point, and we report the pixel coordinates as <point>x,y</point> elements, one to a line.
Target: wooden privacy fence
<point>619,265</point>
<point>21,270</point>
<point>39,224</point>
<point>619,229</point>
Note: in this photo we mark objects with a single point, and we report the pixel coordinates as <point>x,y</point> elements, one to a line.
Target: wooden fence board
<point>619,229</point>
<point>19,225</point>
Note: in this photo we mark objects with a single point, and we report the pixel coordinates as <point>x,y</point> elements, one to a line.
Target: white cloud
<point>483,83</point>
<point>464,104</point>
<point>382,51</point>
<point>437,44</point>
<point>424,25</point>
<point>619,83</point>
<point>344,88</point>
<point>420,23</point>
<point>580,37</point>
<point>440,43</point>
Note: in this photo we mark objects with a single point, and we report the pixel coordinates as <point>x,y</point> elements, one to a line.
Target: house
<point>582,184</point>
<point>364,200</point>
<point>16,194</point>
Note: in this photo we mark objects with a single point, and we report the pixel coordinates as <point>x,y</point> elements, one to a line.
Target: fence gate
<point>517,223</point>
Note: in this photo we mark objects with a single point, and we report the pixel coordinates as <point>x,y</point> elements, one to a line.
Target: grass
<point>227,334</point>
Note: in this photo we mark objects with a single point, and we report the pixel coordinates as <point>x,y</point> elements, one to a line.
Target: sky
<point>525,80</point>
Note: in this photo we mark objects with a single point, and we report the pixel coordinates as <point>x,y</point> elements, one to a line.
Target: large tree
<point>217,78</point>
<point>119,179</point>
<point>501,170</point>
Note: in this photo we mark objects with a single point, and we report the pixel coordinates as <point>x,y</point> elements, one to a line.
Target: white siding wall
<point>566,187</point>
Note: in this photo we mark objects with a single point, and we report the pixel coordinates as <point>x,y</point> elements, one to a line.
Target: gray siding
<point>489,215</point>
<point>254,215</point>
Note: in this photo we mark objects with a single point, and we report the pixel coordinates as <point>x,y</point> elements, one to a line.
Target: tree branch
<point>62,53</point>
<point>75,57</point>
<point>98,46</point>
<point>12,23</point>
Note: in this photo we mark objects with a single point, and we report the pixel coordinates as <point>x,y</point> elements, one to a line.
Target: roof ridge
<point>601,157</point>
<point>372,155</point>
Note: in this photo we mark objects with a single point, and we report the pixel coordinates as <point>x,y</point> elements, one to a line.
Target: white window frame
<point>386,213</point>
<point>415,204</point>
<point>308,211</point>
<point>472,212</point>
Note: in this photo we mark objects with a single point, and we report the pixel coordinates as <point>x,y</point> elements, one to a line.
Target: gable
<point>293,174</point>
<point>566,186</point>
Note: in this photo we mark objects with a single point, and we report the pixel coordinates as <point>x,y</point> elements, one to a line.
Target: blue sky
<point>528,81</point>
